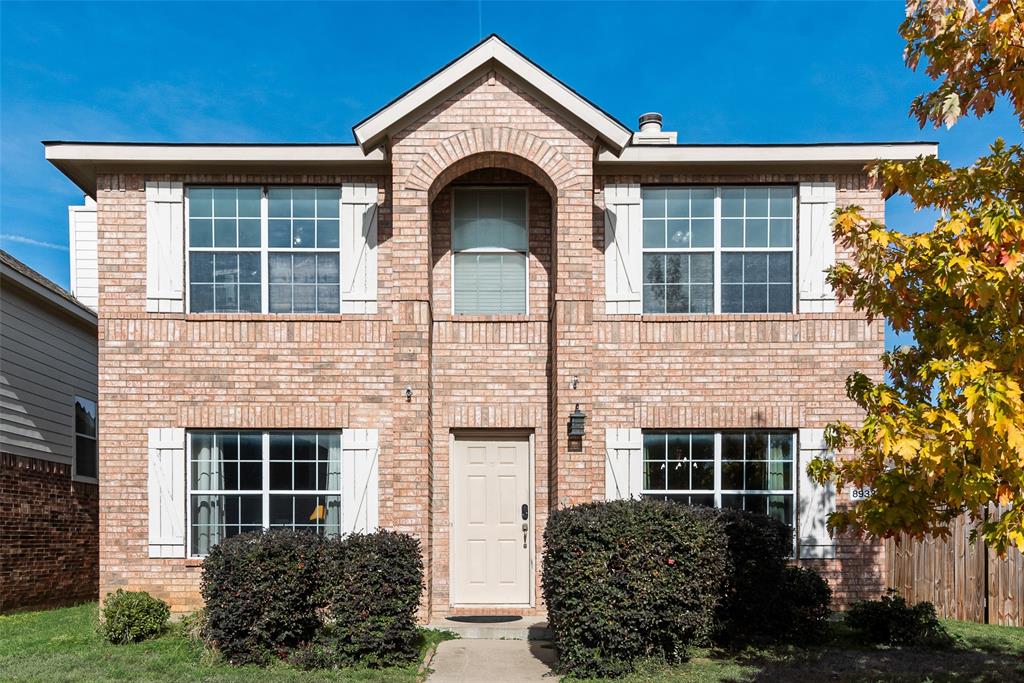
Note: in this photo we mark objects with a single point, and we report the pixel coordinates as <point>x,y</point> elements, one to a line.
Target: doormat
<point>485,618</point>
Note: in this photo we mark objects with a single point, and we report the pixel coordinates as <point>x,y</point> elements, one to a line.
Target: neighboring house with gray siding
<point>48,442</point>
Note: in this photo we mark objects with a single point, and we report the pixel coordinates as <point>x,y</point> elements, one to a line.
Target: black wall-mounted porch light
<point>577,422</point>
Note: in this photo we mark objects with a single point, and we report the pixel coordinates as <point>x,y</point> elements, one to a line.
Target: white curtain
<point>208,515</point>
<point>333,519</point>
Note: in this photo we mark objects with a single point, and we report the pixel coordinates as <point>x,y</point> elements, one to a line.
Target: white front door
<point>491,542</point>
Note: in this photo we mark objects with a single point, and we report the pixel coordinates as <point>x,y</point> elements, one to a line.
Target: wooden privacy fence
<point>964,580</point>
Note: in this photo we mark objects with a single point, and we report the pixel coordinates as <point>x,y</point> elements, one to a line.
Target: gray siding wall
<point>47,357</point>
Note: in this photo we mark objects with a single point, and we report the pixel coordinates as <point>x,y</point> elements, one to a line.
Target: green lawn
<point>979,653</point>
<point>63,645</point>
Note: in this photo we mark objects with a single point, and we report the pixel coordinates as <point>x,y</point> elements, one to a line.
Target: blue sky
<point>306,72</point>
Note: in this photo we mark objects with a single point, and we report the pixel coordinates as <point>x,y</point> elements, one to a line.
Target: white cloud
<point>21,239</point>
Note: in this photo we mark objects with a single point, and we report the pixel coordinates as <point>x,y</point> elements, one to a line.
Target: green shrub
<point>626,580</point>
<point>193,627</point>
<point>133,616</point>
<point>891,621</point>
<point>370,586</point>
<point>260,590</point>
<point>803,607</point>
<point>758,549</point>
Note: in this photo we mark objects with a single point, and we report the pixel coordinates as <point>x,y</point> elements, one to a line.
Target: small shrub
<point>371,587</point>
<point>630,579</point>
<point>193,627</point>
<point>891,621</point>
<point>261,597</point>
<point>758,548</point>
<point>803,607</point>
<point>133,616</point>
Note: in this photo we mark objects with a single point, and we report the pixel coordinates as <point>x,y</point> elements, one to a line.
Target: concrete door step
<point>527,628</point>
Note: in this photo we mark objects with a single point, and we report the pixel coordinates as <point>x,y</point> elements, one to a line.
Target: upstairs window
<point>718,249</point>
<point>304,259</point>
<point>264,250</point>
<point>489,246</point>
<point>86,458</point>
<point>224,237</point>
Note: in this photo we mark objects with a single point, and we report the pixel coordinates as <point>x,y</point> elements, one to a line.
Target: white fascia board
<point>755,154</point>
<point>371,131</point>
<point>149,153</point>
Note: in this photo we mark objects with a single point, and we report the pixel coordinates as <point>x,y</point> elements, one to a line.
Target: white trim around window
<point>683,230</point>
<point>318,244</point>
<point>246,480</point>
<point>750,469</point>
<point>491,250</point>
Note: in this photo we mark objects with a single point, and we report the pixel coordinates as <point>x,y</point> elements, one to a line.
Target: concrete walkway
<point>493,661</point>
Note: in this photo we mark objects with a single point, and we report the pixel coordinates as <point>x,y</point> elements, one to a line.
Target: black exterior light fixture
<point>577,420</point>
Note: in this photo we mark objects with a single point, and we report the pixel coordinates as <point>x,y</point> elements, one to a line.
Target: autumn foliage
<point>977,54</point>
<point>943,433</point>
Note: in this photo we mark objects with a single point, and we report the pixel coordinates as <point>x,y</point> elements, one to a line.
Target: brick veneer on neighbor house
<point>466,372</point>
<point>49,525</point>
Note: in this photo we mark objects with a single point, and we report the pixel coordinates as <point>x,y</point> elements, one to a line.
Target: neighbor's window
<point>489,244</point>
<point>86,423</point>
<point>243,481</point>
<point>264,250</point>
<point>718,249</point>
<point>745,470</point>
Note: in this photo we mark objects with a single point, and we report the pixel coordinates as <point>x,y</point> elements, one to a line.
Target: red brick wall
<point>742,371</point>
<point>209,370</point>
<point>48,535</point>
<point>466,372</point>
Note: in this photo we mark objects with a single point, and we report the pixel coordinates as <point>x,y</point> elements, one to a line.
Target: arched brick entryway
<point>497,147</point>
<point>487,372</point>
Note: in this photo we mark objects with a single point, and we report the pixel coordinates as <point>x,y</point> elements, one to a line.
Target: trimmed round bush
<point>371,587</point>
<point>891,621</point>
<point>133,616</point>
<point>758,548</point>
<point>260,590</point>
<point>626,580</point>
<point>803,607</point>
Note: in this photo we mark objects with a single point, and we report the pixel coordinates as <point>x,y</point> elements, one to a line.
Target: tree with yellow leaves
<point>943,433</point>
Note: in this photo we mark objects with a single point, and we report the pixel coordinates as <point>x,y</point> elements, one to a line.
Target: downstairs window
<point>744,470</point>
<point>248,480</point>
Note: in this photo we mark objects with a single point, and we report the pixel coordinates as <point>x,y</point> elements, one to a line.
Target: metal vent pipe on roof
<point>650,122</point>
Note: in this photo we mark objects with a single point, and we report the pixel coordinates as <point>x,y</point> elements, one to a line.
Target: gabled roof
<point>43,287</point>
<point>370,132</point>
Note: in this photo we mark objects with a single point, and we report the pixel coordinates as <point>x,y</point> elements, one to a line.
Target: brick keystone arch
<point>492,147</point>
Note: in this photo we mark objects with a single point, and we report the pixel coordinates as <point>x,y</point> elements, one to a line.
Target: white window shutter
<point>167,492</point>
<point>817,502</point>
<point>624,462</point>
<point>623,241</point>
<point>359,247</point>
<point>359,488</point>
<point>165,247</point>
<point>817,248</point>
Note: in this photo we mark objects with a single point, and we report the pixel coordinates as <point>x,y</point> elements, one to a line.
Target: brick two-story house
<point>397,332</point>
